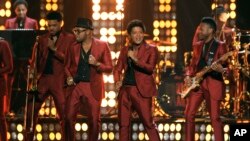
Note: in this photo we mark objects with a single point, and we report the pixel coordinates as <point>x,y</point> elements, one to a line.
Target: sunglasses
<point>78,31</point>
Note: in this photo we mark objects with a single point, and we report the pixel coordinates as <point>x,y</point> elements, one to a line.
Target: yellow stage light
<point>8,4</point>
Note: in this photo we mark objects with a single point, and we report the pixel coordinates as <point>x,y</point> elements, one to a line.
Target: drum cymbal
<point>160,43</point>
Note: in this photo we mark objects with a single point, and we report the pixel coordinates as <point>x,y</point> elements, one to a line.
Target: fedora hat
<point>85,23</point>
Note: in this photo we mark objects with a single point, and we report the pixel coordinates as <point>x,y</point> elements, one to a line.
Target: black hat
<point>85,23</point>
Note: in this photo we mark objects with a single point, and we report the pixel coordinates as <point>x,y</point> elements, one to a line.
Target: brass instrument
<point>31,88</point>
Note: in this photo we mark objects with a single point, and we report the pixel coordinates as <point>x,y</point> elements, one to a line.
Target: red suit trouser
<point>213,106</point>
<point>3,125</point>
<point>48,85</point>
<point>130,97</point>
<point>82,95</point>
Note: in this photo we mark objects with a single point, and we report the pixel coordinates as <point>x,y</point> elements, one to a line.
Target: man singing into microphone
<point>138,61</point>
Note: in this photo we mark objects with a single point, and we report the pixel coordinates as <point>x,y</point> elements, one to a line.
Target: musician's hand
<point>132,55</point>
<point>51,44</point>
<point>188,80</point>
<point>217,67</point>
<point>118,85</point>
<point>93,61</point>
<point>70,81</point>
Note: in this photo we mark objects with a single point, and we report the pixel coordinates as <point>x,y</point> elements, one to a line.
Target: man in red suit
<point>211,89</point>
<point>21,20</point>
<point>6,66</point>
<point>85,63</point>
<point>50,54</point>
<point>138,61</point>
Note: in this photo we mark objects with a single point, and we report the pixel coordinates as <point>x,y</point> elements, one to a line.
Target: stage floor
<point>170,129</point>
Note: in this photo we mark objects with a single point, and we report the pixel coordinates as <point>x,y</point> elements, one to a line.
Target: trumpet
<point>31,88</point>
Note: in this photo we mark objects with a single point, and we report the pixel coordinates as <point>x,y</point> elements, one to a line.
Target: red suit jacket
<point>29,23</point>
<point>64,41</point>
<point>6,65</point>
<point>147,59</point>
<point>192,69</point>
<point>101,52</point>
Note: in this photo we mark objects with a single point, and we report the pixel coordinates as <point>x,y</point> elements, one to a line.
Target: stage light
<point>104,103</point>
<point>174,40</point>
<point>38,128</point>
<point>173,48</point>
<point>111,94</point>
<point>160,127</point>
<point>96,8</point>
<point>19,127</point>
<point>111,39</point>
<point>103,31</point>
<point>104,136</point>
<point>167,8</point>
<point>2,12</point>
<point>104,15</point>
<point>39,136</point>
<point>48,7</point>
<point>53,111</point>
<point>96,15</point>
<point>119,15</point>
<point>156,24</point>
<point>54,7</point>
<point>161,1</point>
<point>178,136</point>
<point>141,127</point>
<point>173,32</point>
<point>8,4</point>
<point>84,127</point>
<point>104,38</point>
<point>96,1</point>
<point>48,1</point>
<point>162,24</point>
<point>52,136</point>
<point>111,31</point>
<point>113,55</point>
<point>141,136</point>
<point>161,8</point>
<point>77,126</point>
<point>166,127</point>
<point>111,16</point>
<point>232,14</point>
<point>58,136</point>
<point>111,136</point>
<point>111,103</point>
<point>168,23</point>
<point>119,1</point>
<point>156,32</point>
<point>134,136</point>
<point>232,6</point>
<point>173,23</point>
<point>55,1</point>
<point>209,128</point>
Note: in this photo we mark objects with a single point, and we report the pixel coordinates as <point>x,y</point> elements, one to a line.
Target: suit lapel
<point>59,41</point>
<point>142,50</point>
